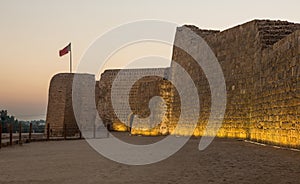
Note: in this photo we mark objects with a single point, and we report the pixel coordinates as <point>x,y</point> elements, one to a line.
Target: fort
<point>260,62</point>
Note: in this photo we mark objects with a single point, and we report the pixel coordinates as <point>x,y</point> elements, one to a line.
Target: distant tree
<point>38,126</point>
<point>3,115</point>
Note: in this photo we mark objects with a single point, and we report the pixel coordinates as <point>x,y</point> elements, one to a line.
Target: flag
<point>65,50</point>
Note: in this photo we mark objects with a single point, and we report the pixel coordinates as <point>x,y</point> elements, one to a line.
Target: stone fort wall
<point>60,110</point>
<point>260,62</point>
<point>144,89</point>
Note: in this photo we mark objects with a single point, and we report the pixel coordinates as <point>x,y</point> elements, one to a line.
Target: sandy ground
<point>224,161</point>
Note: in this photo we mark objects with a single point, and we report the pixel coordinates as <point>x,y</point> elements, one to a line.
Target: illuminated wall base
<point>276,136</point>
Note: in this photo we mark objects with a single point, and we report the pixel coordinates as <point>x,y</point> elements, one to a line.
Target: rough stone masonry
<point>260,62</point>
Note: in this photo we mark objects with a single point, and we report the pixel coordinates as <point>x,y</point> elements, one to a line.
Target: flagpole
<point>70,59</point>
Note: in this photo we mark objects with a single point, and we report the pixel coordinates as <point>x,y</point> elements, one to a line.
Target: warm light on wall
<point>119,127</point>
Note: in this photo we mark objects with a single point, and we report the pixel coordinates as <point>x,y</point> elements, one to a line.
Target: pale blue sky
<point>33,31</point>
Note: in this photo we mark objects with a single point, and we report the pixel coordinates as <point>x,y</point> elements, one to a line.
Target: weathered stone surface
<point>260,62</point>
<point>141,91</point>
<point>60,109</point>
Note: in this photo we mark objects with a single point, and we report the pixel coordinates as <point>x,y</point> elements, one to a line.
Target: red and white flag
<point>65,50</point>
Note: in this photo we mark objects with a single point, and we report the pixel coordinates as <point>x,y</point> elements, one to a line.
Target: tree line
<point>38,126</point>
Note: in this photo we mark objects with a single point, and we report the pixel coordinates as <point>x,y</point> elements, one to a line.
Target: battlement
<point>271,32</point>
<point>202,32</point>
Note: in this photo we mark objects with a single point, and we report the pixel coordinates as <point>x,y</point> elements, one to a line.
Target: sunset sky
<point>33,31</point>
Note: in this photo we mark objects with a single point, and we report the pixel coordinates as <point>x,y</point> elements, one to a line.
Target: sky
<point>33,31</point>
